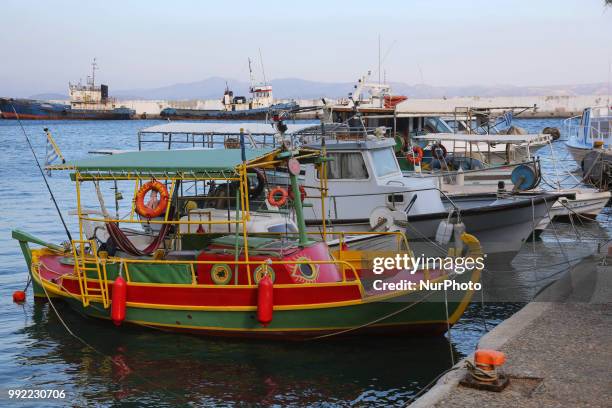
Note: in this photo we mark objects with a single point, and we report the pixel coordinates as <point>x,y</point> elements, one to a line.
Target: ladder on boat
<point>86,260</point>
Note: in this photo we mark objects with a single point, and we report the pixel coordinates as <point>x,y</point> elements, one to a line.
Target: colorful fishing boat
<point>281,285</point>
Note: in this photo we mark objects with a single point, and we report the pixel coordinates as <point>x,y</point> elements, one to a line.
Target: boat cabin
<point>196,206</point>
<point>367,171</point>
<point>594,125</point>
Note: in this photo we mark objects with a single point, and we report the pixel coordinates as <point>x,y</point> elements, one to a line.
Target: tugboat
<point>275,285</point>
<point>86,102</point>
<point>259,107</point>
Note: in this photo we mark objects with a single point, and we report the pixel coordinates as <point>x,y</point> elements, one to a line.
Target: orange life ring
<point>142,209</point>
<point>410,156</point>
<point>272,196</point>
<point>303,194</point>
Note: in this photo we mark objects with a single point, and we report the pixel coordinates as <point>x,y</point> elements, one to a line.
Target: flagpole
<point>54,145</point>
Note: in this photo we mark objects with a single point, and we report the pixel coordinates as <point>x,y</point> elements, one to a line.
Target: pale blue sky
<point>155,43</point>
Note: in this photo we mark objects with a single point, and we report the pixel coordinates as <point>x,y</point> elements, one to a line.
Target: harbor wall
<point>548,106</point>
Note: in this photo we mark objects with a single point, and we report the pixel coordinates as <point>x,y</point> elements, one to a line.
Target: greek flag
<point>507,118</point>
<point>52,152</point>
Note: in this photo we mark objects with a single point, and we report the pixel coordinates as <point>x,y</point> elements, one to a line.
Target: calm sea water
<point>133,367</point>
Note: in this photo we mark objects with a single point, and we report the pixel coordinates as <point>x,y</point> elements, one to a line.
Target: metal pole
<point>299,211</point>
<point>242,151</point>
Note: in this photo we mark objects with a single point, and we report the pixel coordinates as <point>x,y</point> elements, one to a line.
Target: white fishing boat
<point>366,190</point>
<point>592,129</point>
<point>461,175</point>
<point>476,152</point>
<point>578,205</point>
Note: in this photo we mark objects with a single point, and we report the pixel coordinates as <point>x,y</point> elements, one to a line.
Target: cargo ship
<point>259,107</point>
<point>87,101</point>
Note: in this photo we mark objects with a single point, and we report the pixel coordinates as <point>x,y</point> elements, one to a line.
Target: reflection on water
<point>139,366</point>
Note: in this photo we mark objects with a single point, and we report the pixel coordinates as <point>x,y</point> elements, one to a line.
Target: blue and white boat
<point>592,129</point>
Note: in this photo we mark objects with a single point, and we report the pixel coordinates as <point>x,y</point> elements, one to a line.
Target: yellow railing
<point>81,261</point>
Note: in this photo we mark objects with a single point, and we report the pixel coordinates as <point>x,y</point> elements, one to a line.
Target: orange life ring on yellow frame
<point>145,211</point>
<point>277,201</point>
<point>410,156</point>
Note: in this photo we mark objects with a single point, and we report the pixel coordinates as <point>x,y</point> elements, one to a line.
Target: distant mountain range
<point>286,88</point>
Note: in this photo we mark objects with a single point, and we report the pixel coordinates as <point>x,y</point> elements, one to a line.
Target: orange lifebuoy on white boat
<point>416,156</point>
<point>143,209</point>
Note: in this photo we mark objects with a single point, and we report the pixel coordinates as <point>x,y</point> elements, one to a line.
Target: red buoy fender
<point>118,303</point>
<point>19,296</point>
<point>265,301</point>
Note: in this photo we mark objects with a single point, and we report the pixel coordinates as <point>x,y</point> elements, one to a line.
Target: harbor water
<point>104,365</point>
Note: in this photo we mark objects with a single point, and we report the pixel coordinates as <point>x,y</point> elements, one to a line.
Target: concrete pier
<point>558,349</point>
<point>548,106</point>
<point>553,106</point>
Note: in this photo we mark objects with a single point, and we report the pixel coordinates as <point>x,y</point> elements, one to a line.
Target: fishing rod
<point>42,173</point>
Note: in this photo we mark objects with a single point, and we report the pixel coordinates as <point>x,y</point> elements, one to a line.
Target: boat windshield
<point>437,125</point>
<point>346,166</point>
<point>384,162</point>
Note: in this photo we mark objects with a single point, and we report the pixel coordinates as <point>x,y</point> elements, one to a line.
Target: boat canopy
<point>360,144</point>
<point>440,107</point>
<point>225,128</point>
<point>475,138</point>
<point>167,161</point>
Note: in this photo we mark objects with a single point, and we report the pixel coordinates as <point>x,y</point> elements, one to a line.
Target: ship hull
<point>413,313</point>
<point>29,109</point>
<point>202,114</point>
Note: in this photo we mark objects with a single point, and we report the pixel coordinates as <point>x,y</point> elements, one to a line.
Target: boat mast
<point>379,63</point>
<point>251,75</point>
<point>263,71</point>
<point>94,66</point>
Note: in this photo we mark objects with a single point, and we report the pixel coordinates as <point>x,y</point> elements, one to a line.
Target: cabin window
<point>384,162</point>
<point>346,166</point>
<point>283,228</point>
